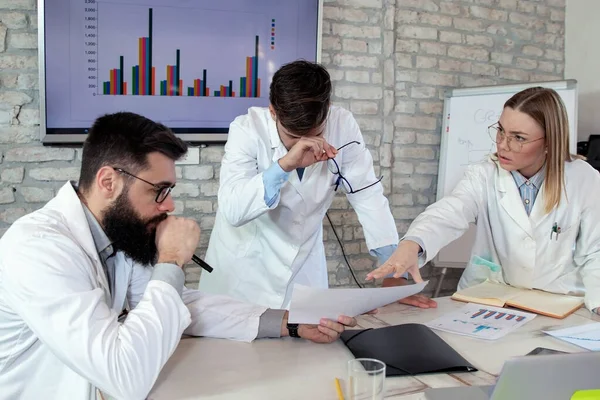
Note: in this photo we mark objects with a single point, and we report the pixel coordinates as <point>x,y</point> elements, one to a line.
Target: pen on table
<point>202,263</point>
<point>338,389</point>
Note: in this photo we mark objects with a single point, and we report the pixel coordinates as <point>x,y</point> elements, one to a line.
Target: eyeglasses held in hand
<point>334,168</point>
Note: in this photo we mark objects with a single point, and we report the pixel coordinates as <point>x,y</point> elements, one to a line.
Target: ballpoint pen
<point>555,230</point>
<point>202,263</point>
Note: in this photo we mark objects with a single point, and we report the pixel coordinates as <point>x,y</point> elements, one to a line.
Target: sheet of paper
<point>309,305</point>
<point>586,336</point>
<point>483,322</point>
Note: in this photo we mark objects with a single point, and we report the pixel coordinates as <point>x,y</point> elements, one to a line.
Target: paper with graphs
<point>483,322</point>
<point>586,336</point>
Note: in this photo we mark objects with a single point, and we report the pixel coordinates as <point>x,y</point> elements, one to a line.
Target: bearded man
<point>92,297</point>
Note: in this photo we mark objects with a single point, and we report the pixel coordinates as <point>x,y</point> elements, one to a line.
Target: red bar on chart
<point>169,80</point>
<point>489,314</point>
<point>124,88</point>
<point>113,81</point>
<point>141,63</point>
<point>181,87</point>
<point>248,76</point>
<point>153,80</point>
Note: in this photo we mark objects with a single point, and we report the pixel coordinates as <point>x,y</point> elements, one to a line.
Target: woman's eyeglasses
<point>515,143</point>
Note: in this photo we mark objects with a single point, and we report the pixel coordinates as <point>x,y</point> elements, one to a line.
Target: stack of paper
<point>483,322</point>
<point>586,336</point>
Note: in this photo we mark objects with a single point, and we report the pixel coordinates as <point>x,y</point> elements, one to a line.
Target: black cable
<point>343,252</point>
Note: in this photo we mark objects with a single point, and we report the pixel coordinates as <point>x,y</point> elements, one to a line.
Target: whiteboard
<point>465,140</point>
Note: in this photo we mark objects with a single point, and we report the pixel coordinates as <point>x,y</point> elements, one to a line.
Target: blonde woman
<point>535,205</point>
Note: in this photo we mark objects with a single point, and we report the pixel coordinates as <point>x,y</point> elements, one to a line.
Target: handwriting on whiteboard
<point>465,142</point>
<point>483,116</point>
<point>475,154</point>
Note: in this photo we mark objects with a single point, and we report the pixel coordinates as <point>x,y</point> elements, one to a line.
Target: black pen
<point>201,263</point>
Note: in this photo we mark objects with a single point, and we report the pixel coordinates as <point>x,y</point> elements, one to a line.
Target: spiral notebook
<point>408,349</point>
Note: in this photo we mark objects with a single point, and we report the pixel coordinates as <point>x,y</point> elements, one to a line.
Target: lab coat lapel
<point>511,201</point>
<point>538,215</point>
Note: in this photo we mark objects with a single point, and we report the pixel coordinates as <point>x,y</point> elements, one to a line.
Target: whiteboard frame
<point>568,84</point>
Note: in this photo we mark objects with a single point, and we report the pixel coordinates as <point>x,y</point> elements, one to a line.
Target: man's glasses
<point>161,191</point>
<point>514,143</point>
<point>333,166</point>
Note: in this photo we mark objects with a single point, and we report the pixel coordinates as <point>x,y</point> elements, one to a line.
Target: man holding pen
<point>92,302</point>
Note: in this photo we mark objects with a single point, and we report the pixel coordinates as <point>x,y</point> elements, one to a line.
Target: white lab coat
<point>59,334</point>
<point>257,251</point>
<point>488,197</point>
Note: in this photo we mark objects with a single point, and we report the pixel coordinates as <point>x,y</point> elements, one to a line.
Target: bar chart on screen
<point>155,65</point>
<point>482,322</point>
<point>192,65</point>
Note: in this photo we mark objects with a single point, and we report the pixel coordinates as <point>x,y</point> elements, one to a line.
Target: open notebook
<point>537,301</point>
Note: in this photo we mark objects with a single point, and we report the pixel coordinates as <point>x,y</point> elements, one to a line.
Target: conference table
<point>288,368</point>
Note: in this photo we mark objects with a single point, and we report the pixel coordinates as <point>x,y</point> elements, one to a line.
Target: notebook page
<point>487,292</point>
<point>551,304</point>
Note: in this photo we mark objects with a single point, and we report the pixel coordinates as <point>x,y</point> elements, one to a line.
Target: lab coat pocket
<point>562,243</point>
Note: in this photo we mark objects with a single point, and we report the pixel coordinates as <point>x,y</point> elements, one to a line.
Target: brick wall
<point>390,61</point>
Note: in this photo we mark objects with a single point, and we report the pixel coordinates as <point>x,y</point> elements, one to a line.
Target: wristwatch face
<point>293,330</point>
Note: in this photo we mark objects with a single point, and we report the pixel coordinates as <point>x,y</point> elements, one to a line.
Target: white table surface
<point>291,368</point>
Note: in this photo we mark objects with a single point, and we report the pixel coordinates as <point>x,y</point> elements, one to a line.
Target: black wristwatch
<point>293,330</point>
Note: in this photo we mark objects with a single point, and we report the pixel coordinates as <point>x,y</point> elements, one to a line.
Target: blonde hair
<point>547,109</point>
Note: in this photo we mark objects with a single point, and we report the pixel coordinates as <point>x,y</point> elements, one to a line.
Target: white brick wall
<point>390,61</point>
<point>437,44</point>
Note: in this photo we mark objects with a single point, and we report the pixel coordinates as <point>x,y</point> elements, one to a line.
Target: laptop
<point>547,377</point>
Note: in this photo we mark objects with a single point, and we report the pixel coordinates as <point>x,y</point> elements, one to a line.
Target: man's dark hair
<point>124,140</point>
<point>300,93</point>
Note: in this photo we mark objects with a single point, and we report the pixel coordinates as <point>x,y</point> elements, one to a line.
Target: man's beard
<point>129,233</point>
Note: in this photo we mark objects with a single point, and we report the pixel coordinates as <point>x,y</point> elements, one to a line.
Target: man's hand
<point>404,259</point>
<point>307,151</point>
<point>417,300</point>
<point>177,239</point>
<point>327,331</point>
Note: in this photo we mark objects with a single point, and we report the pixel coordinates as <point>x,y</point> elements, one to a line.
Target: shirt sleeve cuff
<point>422,253</point>
<point>383,254</point>
<point>171,274</point>
<point>269,325</point>
<point>273,178</point>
